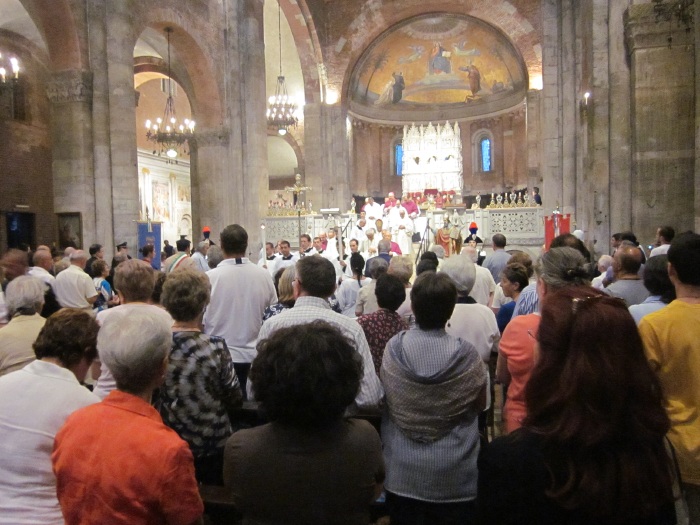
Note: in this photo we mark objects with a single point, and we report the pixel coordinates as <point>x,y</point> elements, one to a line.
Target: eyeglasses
<point>532,335</point>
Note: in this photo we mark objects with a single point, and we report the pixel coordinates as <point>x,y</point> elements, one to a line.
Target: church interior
<point>591,101</point>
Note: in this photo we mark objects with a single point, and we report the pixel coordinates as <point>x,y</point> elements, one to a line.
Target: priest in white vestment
<point>402,231</point>
<point>368,247</point>
<point>373,211</point>
<point>359,231</point>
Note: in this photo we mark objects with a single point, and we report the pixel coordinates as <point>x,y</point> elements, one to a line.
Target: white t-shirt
<point>475,323</point>
<point>240,292</point>
<point>106,383</point>
<point>74,287</point>
<point>484,285</point>
<point>34,403</point>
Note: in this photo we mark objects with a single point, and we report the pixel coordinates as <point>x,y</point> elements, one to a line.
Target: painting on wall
<point>437,61</point>
<point>161,200</point>
<point>70,230</point>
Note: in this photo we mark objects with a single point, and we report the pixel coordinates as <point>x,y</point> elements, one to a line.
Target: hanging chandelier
<point>281,107</point>
<point>171,138</point>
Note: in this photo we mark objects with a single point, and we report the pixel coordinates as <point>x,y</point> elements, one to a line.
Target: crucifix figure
<point>297,189</point>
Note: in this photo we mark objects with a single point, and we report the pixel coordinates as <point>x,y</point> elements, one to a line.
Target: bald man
<point>628,285</point>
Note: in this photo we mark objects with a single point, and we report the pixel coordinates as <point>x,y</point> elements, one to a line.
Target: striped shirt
<point>308,309</point>
<point>528,302</point>
<point>445,470</point>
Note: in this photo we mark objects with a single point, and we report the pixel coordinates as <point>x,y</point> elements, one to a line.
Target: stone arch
<point>374,20</point>
<point>56,23</point>
<point>306,39</point>
<point>193,63</point>
<point>289,139</point>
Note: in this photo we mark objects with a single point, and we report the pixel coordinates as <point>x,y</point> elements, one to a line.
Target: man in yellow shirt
<point>672,343</point>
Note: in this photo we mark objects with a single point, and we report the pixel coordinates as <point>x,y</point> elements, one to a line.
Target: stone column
<point>327,156</point>
<point>102,169</point>
<point>213,202</point>
<point>70,93</point>
<point>552,189</point>
<point>533,129</point>
<point>122,114</point>
<point>253,123</point>
<point>620,214</point>
<point>593,124</point>
<point>663,135</point>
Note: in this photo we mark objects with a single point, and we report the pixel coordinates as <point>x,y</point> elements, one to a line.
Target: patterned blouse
<point>200,387</point>
<point>379,327</point>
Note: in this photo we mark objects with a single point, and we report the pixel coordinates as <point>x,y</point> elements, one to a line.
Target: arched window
<point>397,156</point>
<point>482,148</point>
<point>485,154</point>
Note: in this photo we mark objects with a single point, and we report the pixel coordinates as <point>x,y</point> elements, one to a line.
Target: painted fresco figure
<point>439,61</point>
<point>398,87</point>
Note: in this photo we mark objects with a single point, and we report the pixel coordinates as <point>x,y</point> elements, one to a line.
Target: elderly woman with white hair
<point>117,456</point>
<point>471,321</point>
<point>25,299</point>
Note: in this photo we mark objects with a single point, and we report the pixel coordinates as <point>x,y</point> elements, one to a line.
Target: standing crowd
<point>599,362</point>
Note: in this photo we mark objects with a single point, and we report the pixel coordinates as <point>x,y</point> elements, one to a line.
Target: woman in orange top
<point>558,268</point>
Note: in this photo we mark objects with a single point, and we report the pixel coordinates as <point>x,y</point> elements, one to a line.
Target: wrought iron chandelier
<point>171,137</point>
<point>281,107</point>
<point>680,10</point>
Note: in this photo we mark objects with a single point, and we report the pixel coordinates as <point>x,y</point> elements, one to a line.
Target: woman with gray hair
<point>200,386</point>
<point>366,298</point>
<point>471,321</point>
<point>24,299</point>
<point>118,454</point>
<point>557,269</point>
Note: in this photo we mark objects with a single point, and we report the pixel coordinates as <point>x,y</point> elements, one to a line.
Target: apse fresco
<point>445,61</point>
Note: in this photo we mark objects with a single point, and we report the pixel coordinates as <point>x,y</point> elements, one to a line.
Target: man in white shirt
<point>268,262</point>
<point>286,257</point>
<point>664,236</point>
<point>484,286</point>
<point>305,245</point>
<point>314,284</point>
<point>73,287</point>
<point>43,263</point>
<point>240,292</point>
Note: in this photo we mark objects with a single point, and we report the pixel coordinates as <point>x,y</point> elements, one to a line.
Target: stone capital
<point>70,86</point>
<point>643,29</point>
<point>210,137</point>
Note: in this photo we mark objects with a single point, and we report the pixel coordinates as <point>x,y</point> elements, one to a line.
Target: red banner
<point>555,225</point>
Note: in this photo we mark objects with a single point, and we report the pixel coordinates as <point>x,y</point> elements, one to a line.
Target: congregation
<point>120,385</point>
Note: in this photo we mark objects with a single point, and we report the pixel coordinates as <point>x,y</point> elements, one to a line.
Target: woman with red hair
<point>591,449</point>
